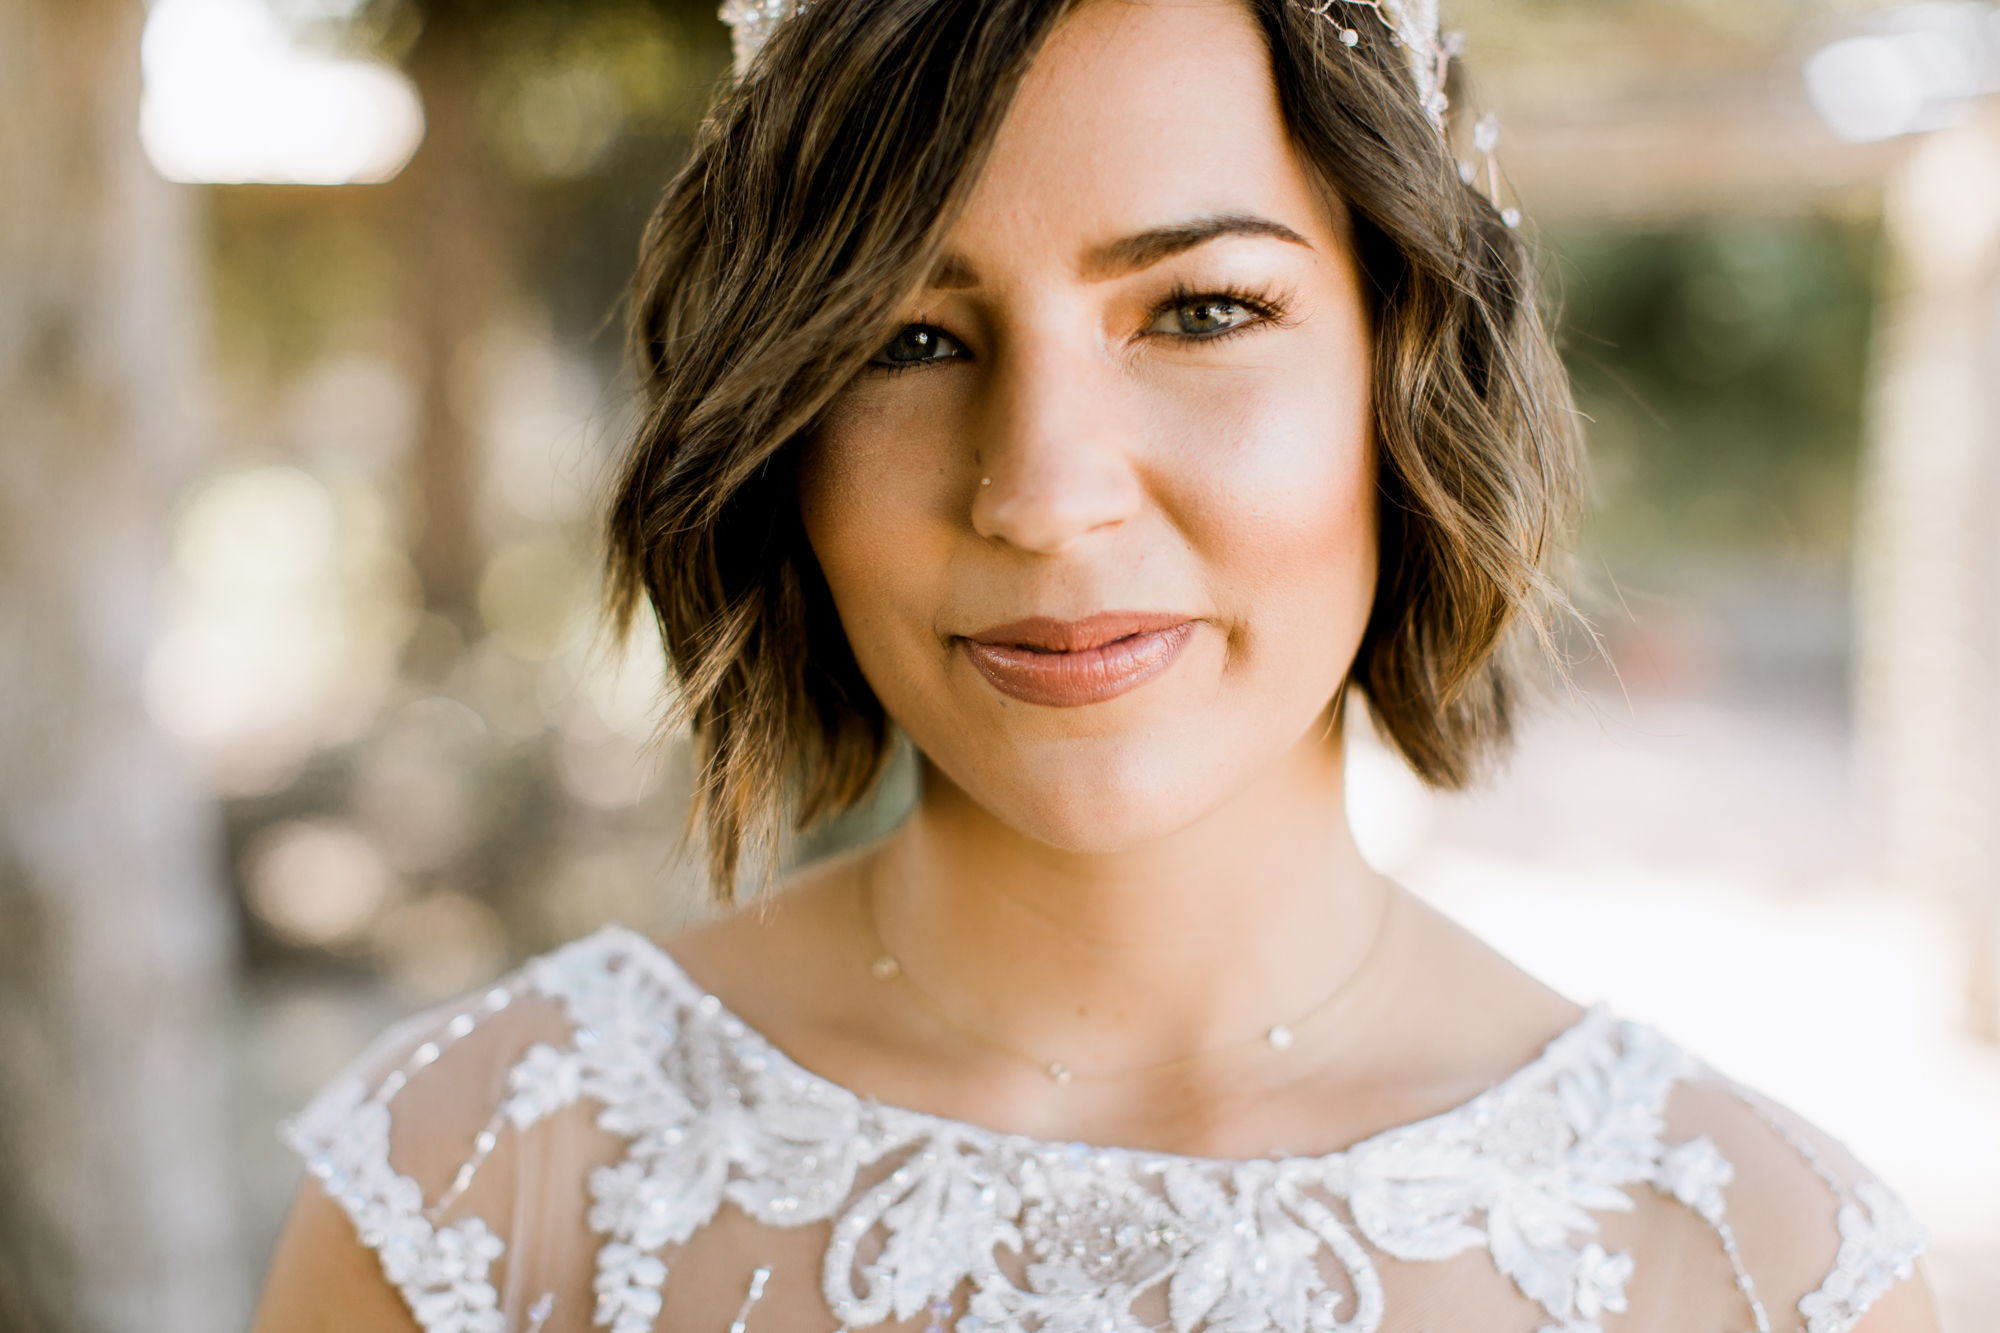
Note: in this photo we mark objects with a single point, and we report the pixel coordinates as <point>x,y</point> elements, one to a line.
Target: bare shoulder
<point>1818,1233</point>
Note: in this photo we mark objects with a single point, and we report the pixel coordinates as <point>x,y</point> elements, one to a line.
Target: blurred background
<point>310,379</point>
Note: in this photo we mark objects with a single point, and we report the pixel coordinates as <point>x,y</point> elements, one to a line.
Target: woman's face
<point>1100,521</point>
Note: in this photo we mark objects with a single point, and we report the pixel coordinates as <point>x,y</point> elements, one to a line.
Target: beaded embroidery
<point>713,1114</point>
<point>441,1271</point>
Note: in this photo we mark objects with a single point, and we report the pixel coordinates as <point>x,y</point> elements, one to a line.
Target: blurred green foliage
<point>1722,369</point>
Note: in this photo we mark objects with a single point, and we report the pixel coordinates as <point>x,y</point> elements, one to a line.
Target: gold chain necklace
<point>888,969</point>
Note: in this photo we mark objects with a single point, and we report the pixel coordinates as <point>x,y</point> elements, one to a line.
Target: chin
<point>1100,797</point>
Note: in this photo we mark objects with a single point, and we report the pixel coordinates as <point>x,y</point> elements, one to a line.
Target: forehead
<point>1135,113</point>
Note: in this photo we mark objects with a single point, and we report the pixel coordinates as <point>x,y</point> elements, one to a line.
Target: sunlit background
<point>309,325</point>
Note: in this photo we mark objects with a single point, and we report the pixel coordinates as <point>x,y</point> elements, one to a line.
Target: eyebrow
<point>1129,254</point>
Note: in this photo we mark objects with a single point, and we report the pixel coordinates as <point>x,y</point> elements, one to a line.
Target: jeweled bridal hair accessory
<point>1412,25</point>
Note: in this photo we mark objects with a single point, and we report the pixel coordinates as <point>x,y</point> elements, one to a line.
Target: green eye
<point>1208,315</point>
<point>915,344</point>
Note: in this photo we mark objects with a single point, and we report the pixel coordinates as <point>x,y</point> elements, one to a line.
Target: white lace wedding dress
<point>597,1143</point>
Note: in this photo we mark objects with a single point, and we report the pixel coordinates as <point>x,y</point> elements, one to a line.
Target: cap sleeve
<point>425,1144</point>
<point>1807,1227</point>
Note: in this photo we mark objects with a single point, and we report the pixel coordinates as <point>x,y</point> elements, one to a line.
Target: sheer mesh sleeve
<point>1812,1238</point>
<point>462,1164</point>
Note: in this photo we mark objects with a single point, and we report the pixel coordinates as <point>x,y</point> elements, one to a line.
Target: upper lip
<point>1050,635</point>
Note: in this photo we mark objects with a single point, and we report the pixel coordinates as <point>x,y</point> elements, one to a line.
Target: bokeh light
<point>441,945</point>
<point>286,609</point>
<point>1921,71</point>
<point>319,883</point>
<point>535,596</point>
<point>233,97</point>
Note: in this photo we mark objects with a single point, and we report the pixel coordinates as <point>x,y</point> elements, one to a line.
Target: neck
<point>1248,918</point>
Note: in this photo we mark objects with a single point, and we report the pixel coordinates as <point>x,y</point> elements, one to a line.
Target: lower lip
<point>1088,676</point>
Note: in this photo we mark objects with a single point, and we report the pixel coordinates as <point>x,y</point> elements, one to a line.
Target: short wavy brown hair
<point>816,202</point>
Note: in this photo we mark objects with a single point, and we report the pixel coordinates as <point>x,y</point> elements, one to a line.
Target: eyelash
<point>1267,309</point>
<point>904,367</point>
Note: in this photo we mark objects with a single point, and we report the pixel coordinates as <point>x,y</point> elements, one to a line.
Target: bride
<point>1104,395</point>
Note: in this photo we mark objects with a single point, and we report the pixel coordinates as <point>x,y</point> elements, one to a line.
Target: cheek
<point>1276,486</point>
<point>843,514</point>
<point>871,482</point>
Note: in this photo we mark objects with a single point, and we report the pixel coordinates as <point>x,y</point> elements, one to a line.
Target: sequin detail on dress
<point>440,1271</point>
<point>1028,1236</point>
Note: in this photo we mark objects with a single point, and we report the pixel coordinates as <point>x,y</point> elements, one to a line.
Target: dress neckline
<point>920,1205</point>
<point>1568,1050</point>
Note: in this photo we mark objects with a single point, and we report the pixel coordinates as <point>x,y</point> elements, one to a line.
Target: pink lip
<point>1069,663</point>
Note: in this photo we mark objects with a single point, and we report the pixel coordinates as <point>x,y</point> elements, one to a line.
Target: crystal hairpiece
<point>1412,25</point>
<point>751,23</point>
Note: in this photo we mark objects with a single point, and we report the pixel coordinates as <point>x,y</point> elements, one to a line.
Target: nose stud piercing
<point>986,481</point>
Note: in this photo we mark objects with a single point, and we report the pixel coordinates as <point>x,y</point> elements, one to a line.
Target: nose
<point>1058,451</point>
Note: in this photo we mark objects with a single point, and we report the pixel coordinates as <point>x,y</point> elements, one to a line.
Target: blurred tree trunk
<point>459,219</point>
<point>115,1202</point>
<point>1927,576</point>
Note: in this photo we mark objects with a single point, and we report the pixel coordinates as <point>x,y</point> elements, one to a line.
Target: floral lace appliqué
<point>715,1114</point>
<point>442,1272</point>
<point>1038,1237</point>
<point>1879,1245</point>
